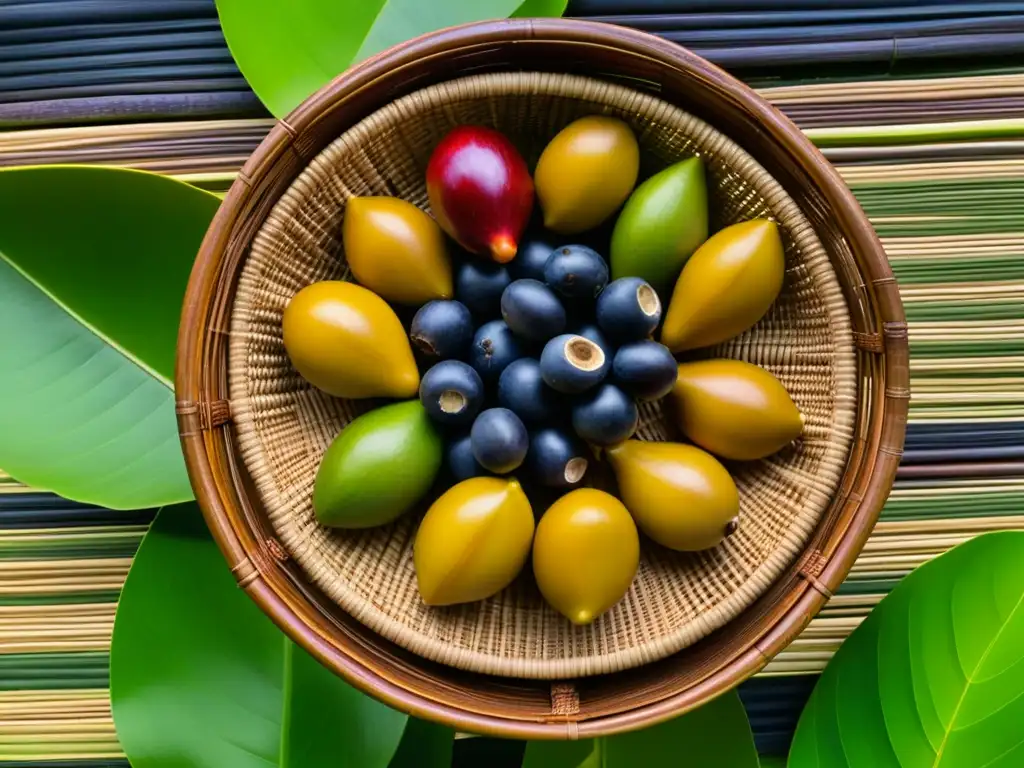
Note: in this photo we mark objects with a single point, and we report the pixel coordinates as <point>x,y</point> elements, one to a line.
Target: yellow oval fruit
<point>585,173</point>
<point>585,554</point>
<point>680,496</point>
<point>347,341</point>
<point>734,409</point>
<point>726,286</point>
<point>396,250</point>
<point>473,541</point>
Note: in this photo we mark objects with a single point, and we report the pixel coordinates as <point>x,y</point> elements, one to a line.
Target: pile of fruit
<point>529,355</point>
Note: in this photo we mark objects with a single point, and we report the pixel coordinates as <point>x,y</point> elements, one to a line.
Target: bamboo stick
<point>57,698</point>
<point>896,90</point>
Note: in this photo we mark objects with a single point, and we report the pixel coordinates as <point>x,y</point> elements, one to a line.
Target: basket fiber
<point>692,625</point>
<point>284,425</point>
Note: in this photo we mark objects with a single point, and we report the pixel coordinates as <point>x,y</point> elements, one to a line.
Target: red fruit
<point>480,191</point>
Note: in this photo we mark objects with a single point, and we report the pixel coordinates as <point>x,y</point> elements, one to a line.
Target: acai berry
<point>442,330</point>
<point>628,309</point>
<point>499,440</point>
<point>494,347</point>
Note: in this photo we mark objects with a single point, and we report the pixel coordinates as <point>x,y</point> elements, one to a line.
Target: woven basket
<point>692,625</point>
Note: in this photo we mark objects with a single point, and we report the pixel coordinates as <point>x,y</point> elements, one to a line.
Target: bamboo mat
<point>61,567</point>
<point>66,62</point>
<point>69,61</point>
<point>937,163</point>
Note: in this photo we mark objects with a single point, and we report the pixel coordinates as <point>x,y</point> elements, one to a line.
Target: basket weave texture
<point>284,425</point>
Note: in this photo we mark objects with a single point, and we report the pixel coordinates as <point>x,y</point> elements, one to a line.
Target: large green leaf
<point>424,745</point>
<point>933,678</point>
<point>535,8</point>
<point>199,677</point>
<point>717,735</point>
<point>288,50</point>
<point>93,268</point>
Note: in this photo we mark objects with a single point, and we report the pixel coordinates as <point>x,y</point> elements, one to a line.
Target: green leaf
<point>535,8</point>
<point>424,745</point>
<point>773,762</point>
<point>288,51</point>
<point>561,754</point>
<point>93,268</point>
<point>401,20</point>
<point>717,735</point>
<point>934,676</point>
<point>199,677</point>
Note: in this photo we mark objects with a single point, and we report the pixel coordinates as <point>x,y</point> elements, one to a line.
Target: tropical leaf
<point>288,51</point>
<point>532,8</point>
<point>933,677</point>
<point>199,677</point>
<point>717,735</point>
<point>93,268</point>
<point>424,745</point>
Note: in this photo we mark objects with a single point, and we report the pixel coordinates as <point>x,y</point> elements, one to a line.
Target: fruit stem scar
<point>503,249</point>
<point>575,469</point>
<point>583,354</point>
<point>423,344</point>
<point>732,526</point>
<point>648,300</point>
<point>451,401</point>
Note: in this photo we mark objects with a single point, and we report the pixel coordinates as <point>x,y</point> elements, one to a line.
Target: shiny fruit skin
<point>726,287</point>
<point>556,459</point>
<point>534,252</point>
<point>586,552</point>
<point>499,440</point>
<point>734,409</point>
<point>628,309</point>
<point>586,172</point>
<point>442,330</point>
<point>664,221</point>
<point>378,467</point>
<point>532,310</point>
<point>680,496</point>
<point>473,541</point>
<point>345,340</point>
<point>479,285</point>
<point>576,272</point>
<point>494,347</point>
<point>645,369</point>
<point>480,190</point>
<point>396,250</point>
<point>605,417</point>
<point>573,364</point>
<point>452,393</point>
<point>522,390</point>
<point>460,461</point>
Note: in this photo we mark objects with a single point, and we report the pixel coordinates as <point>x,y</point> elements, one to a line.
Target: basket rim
<point>220,486</point>
<point>706,139</point>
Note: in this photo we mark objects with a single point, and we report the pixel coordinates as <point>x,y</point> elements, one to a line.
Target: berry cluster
<point>563,367</point>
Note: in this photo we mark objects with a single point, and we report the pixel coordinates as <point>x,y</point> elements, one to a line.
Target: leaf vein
<point>84,323</point>
<point>970,681</point>
<point>1002,754</point>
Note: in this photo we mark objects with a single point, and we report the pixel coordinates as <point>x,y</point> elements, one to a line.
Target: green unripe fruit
<point>376,470</point>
